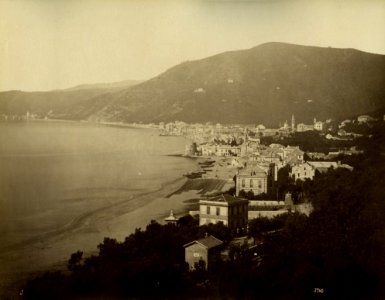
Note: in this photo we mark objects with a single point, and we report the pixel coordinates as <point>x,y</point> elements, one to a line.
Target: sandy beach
<point>51,250</point>
<point>59,196</point>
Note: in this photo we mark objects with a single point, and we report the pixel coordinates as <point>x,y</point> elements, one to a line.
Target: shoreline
<point>109,124</point>
<point>50,251</point>
<point>21,262</point>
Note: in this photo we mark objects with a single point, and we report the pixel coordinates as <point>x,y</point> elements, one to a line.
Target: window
<point>260,184</point>
<point>208,210</point>
<point>217,211</point>
<point>251,182</point>
<point>243,183</point>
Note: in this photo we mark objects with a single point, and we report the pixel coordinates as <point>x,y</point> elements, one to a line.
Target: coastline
<point>109,124</point>
<point>21,262</point>
<point>50,251</point>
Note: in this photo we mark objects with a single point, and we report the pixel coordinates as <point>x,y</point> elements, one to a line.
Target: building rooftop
<point>252,170</point>
<point>322,169</point>
<point>208,242</point>
<point>171,217</point>
<point>224,198</point>
<point>323,164</point>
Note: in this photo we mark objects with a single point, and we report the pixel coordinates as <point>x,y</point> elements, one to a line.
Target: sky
<point>46,45</point>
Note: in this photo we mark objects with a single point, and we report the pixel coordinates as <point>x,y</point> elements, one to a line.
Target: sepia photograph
<point>192,149</point>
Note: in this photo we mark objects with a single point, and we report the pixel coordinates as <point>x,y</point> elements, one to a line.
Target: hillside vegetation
<point>265,84</point>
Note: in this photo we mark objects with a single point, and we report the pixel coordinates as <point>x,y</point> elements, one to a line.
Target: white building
<point>228,151</point>
<point>231,211</point>
<point>301,127</point>
<point>302,171</point>
<point>310,168</point>
<point>364,119</point>
<point>208,149</point>
<point>319,125</point>
<point>252,178</point>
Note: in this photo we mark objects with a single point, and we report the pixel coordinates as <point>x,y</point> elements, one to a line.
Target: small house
<point>203,251</point>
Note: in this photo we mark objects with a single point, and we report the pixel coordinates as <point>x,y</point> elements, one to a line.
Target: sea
<point>64,186</point>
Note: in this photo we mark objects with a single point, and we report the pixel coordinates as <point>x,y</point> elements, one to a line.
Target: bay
<point>64,186</point>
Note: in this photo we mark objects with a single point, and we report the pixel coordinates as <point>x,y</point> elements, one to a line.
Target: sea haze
<point>59,180</point>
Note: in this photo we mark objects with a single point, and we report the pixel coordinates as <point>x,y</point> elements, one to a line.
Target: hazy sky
<point>57,44</point>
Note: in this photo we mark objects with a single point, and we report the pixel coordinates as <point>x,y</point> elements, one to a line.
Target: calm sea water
<point>53,172</point>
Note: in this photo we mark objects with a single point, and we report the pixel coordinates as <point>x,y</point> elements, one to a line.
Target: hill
<point>74,103</point>
<point>112,85</point>
<point>265,84</point>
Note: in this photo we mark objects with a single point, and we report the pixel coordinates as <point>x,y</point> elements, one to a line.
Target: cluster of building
<point>256,169</point>
<point>256,172</point>
<point>233,212</point>
<point>26,117</point>
<point>199,132</point>
<point>206,134</point>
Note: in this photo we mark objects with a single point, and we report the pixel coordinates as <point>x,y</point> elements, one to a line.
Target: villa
<point>229,210</point>
<point>252,178</point>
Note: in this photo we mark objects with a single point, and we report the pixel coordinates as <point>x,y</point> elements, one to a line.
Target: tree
<point>231,191</point>
<point>108,247</point>
<point>219,230</point>
<point>284,182</point>
<point>259,226</point>
<point>242,194</point>
<point>74,263</point>
<point>250,195</point>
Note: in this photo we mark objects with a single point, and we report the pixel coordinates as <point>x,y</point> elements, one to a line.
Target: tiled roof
<point>252,170</point>
<point>208,242</point>
<point>224,198</point>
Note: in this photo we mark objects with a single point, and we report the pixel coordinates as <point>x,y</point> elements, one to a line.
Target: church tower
<point>292,123</point>
<point>245,142</point>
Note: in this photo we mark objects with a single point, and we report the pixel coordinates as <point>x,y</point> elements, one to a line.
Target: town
<point>211,149</point>
<point>255,170</point>
<point>289,200</point>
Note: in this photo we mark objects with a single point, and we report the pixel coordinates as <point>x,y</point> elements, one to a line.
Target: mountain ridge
<point>102,85</point>
<point>265,84</point>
